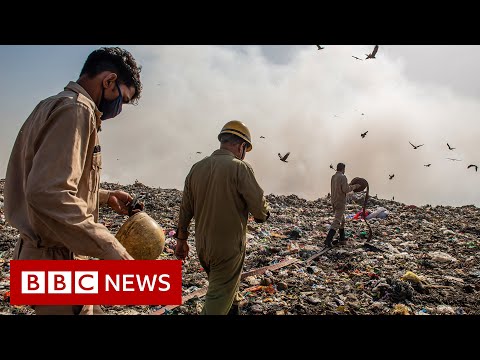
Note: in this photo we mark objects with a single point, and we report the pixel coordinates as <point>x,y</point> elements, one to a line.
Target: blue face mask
<point>111,108</point>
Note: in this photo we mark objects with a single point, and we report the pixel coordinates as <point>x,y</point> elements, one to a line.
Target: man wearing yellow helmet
<point>219,192</point>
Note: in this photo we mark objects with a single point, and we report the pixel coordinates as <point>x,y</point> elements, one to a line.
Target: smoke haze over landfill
<point>301,100</point>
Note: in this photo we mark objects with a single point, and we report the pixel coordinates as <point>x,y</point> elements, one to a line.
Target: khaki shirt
<point>219,192</point>
<point>340,188</point>
<point>52,190</point>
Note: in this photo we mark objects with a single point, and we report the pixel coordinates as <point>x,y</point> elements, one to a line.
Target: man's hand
<point>119,200</point>
<point>182,249</point>
<point>355,186</point>
<point>258,221</point>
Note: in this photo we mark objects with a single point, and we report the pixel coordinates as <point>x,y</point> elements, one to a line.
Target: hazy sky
<point>302,100</point>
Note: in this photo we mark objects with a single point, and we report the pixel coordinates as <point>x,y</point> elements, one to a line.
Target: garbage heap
<point>424,259</point>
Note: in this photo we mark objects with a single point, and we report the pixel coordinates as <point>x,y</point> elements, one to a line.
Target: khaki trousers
<point>223,283</point>
<point>339,221</point>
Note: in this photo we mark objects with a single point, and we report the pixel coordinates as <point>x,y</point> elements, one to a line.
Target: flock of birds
<point>284,157</point>
<point>368,56</point>
<point>372,56</point>
<point>415,147</point>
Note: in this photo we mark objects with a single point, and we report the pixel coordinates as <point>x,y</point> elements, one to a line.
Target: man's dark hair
<point>340,166</point>
<point>116,60</point>
<point>231,138</point>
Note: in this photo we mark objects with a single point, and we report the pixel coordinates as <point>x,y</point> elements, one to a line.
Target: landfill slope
<point>425,260</point>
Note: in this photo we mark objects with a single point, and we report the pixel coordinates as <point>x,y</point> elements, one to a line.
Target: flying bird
<point>357,58</point>
<point>428,165</point>
<point>285,157</point>
<point>415,147</point>
<point>199,152</point>
<point>374,52</point>
<point>320,48</point>
<point>262,137</point>
<point>331,167</point>
<point>391,176</point>
<point>363,114</point>
<point>364,134</point>
<point>453,159</point>
<point>475,166</point>
<point>450,148</point>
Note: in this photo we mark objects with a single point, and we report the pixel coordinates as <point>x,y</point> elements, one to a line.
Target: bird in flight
<point>357,58</point>
<point>199,152</point>
<point>453,159</point>
<point>373,53</point>
<point>428,165</point>
<point>391,176</point>
<point>262,137</point>
<point>364,134</point>
<point>475,166</point>
<point>415,147</point>
<point>331,167</point>
<point>285,157</point>
<point>450,148</point>
<point>320,48</point>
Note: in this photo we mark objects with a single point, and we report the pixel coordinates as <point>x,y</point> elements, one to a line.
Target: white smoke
<point>311,106</point>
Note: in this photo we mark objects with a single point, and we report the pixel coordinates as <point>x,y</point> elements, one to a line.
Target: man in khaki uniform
<point>219,192</point>
<point>52,190</point>
<point>339,188</point>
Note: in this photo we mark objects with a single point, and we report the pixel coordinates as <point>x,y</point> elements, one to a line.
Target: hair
<point>116,60</point>
<point>340,166</point>
<point>231,139</point>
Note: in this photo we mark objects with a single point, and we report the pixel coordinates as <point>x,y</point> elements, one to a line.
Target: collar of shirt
<point>75,87</point>
<point>223,152</point>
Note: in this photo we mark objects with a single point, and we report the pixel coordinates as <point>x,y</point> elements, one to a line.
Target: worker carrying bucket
<point>142,236</point>
<point>339,189</point>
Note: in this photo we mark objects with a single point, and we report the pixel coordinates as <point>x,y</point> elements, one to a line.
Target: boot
<point>328,240</point>
<point>234,310</point>
<point>342,240</point>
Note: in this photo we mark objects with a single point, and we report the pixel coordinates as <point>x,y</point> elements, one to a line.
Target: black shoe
<point>234,310</point>
<point>328,240</point>
<point>341,239</point>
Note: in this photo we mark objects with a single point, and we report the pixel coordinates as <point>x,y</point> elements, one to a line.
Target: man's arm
<point>184,219</point>
<point>186,210</point>
<point>346,188</point>
<point>251,191</point>
<point>52,185</point>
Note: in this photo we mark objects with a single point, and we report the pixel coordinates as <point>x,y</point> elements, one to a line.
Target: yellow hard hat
<point>237,128</point>
<point>142,237</point>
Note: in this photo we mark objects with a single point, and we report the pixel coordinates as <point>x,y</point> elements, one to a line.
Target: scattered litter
<point>401,309</point>
<point>435,243</point>
<point>441,257</point>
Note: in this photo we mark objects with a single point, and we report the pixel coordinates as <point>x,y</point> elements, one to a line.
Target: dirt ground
<point>425,260</point>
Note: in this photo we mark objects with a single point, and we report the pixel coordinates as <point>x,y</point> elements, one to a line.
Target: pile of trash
<point>421,260</point>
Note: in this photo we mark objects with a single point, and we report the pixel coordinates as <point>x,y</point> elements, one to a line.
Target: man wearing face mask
<point>219,192</point>
<point>52,190</point>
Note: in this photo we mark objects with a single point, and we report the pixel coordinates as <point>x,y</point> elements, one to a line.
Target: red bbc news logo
<point>104,282</point>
